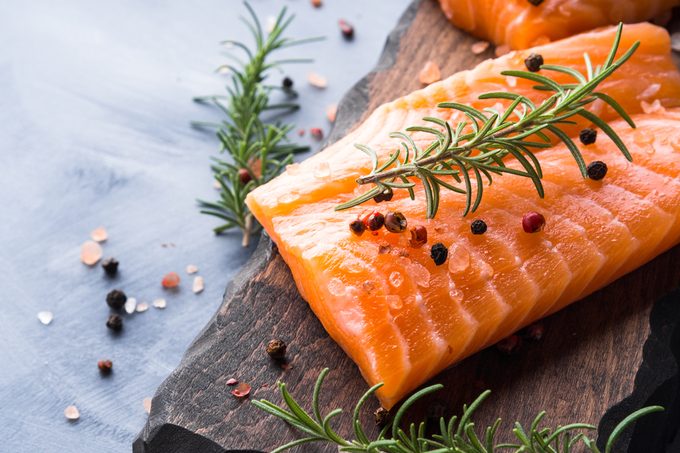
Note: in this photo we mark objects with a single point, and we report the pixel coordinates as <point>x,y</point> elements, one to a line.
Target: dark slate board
<point>601,358</point>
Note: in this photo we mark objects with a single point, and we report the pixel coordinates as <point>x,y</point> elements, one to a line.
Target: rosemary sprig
<point>258,150</point>
<point>476,148</point>
<point>456,435</point>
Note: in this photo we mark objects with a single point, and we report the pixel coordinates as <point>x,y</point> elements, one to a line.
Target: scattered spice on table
<point>170,280</point>
<point>479,47</point>
<point>331,112</point>
<point>346,29</point>
<point>316,132</point>
<point>276,349</point>
<point>430,73</point>
<point>90,252</point>
<point>45,317</point>
<point>105,366</point>
<point>317,80</point>
<point>146,404</point>
<point>142,307</point>
<point>130,305</point>
<point>509,345</point>
<point>160,303</point>
<point>198,285</point>
<point>115,323</point>
<point>99,234</point>
<point>242,390</point>
<point>116,299</point>
<point>534,332</point>
<point>301,132</point>
<point>232,381</point>
<point>110,266</point>
<point>192,269</point>
<point>71,413</point>
<point>381,416</point>
<point>317,3</point>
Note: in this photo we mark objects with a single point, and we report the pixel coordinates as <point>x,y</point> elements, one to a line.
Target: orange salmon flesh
<point>403,319</point>
<point>519,24</point>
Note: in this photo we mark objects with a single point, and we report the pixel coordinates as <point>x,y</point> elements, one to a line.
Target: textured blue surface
<point>94,111</point>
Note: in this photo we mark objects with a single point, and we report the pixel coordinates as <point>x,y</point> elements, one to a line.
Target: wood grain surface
<point>604,356</point>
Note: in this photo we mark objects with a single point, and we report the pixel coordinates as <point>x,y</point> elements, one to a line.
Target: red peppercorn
<point>533,222</point>
<point>383,196</point>
<point>395,222</point>
<point>244,176</point>
<point>357,227</point>
<point>534,332</point>
<point>347,29</point>
<point>374,221</point>
<point>105,366</point>
<point>509,345</point>
<point>316,132</point>
<point>418,236</point>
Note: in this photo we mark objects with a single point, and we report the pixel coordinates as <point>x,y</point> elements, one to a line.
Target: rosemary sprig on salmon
<point>455,435</point>
<point>258,149</point>
<point>460,156</point>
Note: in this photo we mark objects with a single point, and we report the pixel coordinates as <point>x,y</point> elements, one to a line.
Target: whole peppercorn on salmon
<point>521,24</point>
<point>401,317</point>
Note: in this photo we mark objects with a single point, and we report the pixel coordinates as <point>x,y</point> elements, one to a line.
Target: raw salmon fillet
<point>519,24</point>
<point>401,318</point>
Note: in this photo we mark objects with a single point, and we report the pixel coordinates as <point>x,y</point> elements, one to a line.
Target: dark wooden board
<point>601,358</point>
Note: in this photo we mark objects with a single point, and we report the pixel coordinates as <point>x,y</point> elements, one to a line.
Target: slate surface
<point>94,131</point>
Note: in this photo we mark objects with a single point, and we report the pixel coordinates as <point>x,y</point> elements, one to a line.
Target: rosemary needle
<point>455,435</point>
<point>258,150</point>
<point>455,157</point>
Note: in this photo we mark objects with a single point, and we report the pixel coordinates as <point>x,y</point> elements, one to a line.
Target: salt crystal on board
<point>146,404</point>
<point>90,253</point>
<point>130,305</point>
<point>192,269</point>
<point>479,47</point>
<point>160,303</point>
<point>317,80</point>
<point>430,73</point>
<point>198,285</point>
<point>45,317</point>
<point>232,381</point>
<point>72,413</point>
<point>99,234</point>
<point>142,307</point>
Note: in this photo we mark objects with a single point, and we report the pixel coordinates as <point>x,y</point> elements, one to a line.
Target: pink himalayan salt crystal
<point>654,107</point>
<point>232,381</point>
<point>99,234</point>
<point>146,404</point>
<point>72,413</point>
<point>90,253</point>
<point>192,269</point>
<point>198,285</point>
<point>170,280</point>
<point>502,50</point>
<point>242,390</point>
<point>459,259</point>
<point>331,112</point>
<point>479,47</point>
<point>430,73</point>
<point>317,80</point>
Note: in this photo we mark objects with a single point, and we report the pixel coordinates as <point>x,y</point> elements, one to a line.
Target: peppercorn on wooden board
<point>597,361</point>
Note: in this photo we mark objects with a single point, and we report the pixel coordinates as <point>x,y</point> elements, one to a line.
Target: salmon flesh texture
<point>403,319</point>
<point>519,24</point>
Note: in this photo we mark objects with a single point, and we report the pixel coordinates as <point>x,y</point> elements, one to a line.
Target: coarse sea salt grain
<point>99,234</point>
<point>142,307</point>
<point>90,253</point>
<point>160,303</point>
<point>45,317</point>
<point>479,47</point>
<point>192,269</point>
<point>130,305</point>
<point>317,80</point>
<point>430,73</point>
<point>71,413</point>
<point>198,285</point>
<point>146,404</point>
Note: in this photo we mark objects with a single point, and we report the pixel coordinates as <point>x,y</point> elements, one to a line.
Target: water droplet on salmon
<point>322,171</point>
<point>396,279</point>
<point>336,287</point>
<point>459,259</point>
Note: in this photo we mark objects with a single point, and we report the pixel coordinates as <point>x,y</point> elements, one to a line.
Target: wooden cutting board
<point>601,358</point>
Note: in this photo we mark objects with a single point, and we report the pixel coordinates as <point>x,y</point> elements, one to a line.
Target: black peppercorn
<point>478,227</point>
<point>395,222</point>
<point>535,2</point>
<point>115,323</point>
<point>276,349</point>
<point>597,170</point>
<point>588,136</point>
<point>534,332</point>
<point>287,83</point>
<point>382,416</point>
<point>105,366</point>
<point>116,299</point>
<point>383,196</point>
<point>374,221</point>
<point>357,227</point>
<point>439,253</point>
<point>110,266</point>
<point>509,345</point>
<point>534,62</point>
